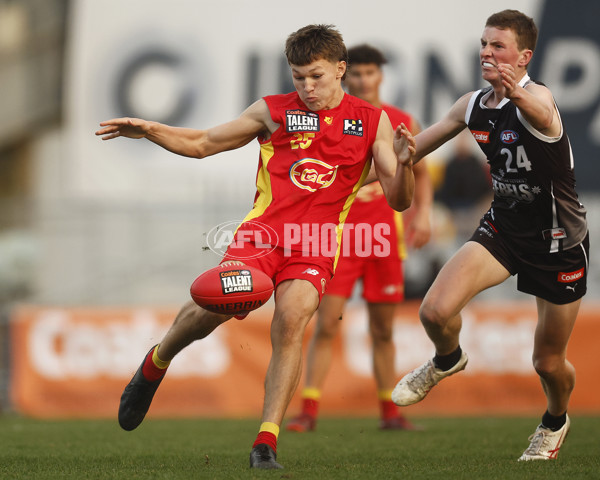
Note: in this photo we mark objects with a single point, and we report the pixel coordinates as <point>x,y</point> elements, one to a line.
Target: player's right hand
<point>124,127</point>
<point>405,145</point>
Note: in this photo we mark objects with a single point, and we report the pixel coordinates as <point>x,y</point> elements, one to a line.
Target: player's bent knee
<point>549,366</point>
<point>431,315</point>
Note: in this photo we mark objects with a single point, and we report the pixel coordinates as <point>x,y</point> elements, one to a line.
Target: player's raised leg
<point>555,324</point>
<point>191,323</point>
<point>295,303</point>
<point>477,270</point>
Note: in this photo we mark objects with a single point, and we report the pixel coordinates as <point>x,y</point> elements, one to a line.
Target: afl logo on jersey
<point>509,136</point>
<point>310,174</point>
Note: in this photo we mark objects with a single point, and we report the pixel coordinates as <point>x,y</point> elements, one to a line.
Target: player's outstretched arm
<point>188,142</point>
<point>440,132</point>
<point>392,156</point>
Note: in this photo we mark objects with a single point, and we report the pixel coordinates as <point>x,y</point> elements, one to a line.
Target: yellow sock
<point>312,393</point>
<point>384,395</point>
<point>157,361</point>
<point>269,427</point>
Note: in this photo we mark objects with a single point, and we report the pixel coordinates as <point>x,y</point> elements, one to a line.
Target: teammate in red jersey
<point>316,147</point>
<point>536,227</point>
<point>373,222</point>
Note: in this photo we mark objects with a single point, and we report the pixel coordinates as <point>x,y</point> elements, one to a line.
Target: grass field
<point>457,448</point>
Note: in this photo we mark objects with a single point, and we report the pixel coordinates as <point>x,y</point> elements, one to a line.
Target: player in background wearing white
<point>382,277</point>
<point>536,227</point>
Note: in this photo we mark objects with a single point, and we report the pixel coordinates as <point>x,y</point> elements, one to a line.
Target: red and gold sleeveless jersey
<point>311,168</point>
<point>372,208</point>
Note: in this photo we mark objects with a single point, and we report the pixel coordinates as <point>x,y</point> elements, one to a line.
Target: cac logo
<point>509,136</point>
<point>310,174</point>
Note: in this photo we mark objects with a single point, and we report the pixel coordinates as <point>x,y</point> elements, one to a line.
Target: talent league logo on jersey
<point>234,281</point>
<point>481,137</point>
<point>353,127</point>
<point>301,121</point>
<point>509,136</point>
<point>310,174</point>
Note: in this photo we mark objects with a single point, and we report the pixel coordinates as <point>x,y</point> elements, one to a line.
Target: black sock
<point>552,422</point>
<point>446,362</point>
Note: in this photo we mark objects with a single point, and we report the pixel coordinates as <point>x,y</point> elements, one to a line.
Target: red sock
<point>266,437</point>
<point>388,409</point>
<point>310,407</point>
<point>150,370</point>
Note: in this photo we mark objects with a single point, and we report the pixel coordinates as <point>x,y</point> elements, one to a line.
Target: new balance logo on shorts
<point>311,271</point>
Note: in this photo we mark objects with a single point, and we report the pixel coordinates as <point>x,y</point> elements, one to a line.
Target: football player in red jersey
<point>316,147</point>
<point>535,228</point>
<point>381,275</point>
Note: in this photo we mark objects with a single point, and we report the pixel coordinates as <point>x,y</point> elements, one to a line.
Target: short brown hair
<point>315,42</point>
<point>363,54</point>
<point>523,26</point>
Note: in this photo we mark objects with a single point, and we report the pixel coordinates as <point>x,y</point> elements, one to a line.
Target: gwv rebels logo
<point>571,276</point>
<point>301,121</point>
<point>233,281</point>
<point>310,174</point>
<point>353,127</point>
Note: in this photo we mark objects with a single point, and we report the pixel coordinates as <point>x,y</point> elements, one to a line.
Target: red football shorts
<point>281,265</point>
<point>382,278</point>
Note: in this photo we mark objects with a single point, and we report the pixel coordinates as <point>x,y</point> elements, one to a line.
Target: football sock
<point>552,422</point>
<point>154,368</point>
<point>387,407</point>
<point>268,434</point>
<point>446,362</point>
<point>310,401</point>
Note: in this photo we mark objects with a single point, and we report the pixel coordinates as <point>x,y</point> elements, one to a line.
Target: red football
<point>232,289</point>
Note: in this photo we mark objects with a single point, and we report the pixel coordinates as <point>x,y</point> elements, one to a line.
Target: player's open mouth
<point>488,65</point>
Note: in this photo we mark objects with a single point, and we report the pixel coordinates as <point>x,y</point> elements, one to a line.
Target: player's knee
<point>327,327</point>
<point>549,365</point>
<point>431,315</point>
<point>381,333</point>
<point>287,329</point>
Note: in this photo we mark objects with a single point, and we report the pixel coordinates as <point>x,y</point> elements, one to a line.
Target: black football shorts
<point>559,278</point>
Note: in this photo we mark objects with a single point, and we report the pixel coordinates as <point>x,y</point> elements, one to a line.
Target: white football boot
<point>415,385</point>
<point>545,443</point>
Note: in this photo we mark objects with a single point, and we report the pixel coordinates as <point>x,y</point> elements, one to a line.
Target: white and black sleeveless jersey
<point>535,205</point>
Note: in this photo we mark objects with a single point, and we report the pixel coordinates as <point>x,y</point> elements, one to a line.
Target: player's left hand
<point>507,74</point>
<point>405,145</point>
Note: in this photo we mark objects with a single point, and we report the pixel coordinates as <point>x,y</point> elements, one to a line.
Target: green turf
<point>448,448</point>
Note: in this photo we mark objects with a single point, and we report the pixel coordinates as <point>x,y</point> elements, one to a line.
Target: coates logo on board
<point>235,235</point>
<point>509,136</point>
<point>481,137</point>
<point>310,174</point>
<point>570,276</point>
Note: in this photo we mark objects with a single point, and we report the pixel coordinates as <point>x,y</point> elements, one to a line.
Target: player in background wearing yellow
<point>317,128</point>
<point>382,276</point>
<point>535,228</point>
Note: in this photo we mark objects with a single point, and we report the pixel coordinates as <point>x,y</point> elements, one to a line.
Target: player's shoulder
<point>350,101</point>
<point>397,115</point>
<point>282,100</point>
